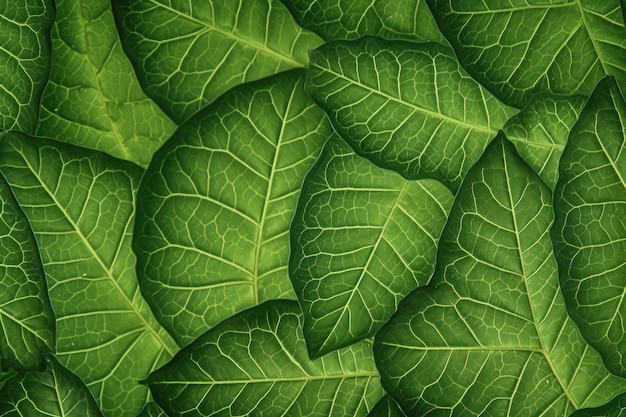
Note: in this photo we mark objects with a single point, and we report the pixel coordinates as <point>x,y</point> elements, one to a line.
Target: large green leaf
<point>93,98</point>
<point>590,227</point>
<point>212,231</point>
<point>56,392</point>
<point>26,318</point>
<point>24,61</point>
<point>540,131</point>
<point>491,335</point>
<point>519,47</point>
<point>406,106</point>
<point>362,239</point>
<point>80,206</point>
<point>256,363</point>
<point>614,408</point>
<point>351,19</point>
<point>187,53</point>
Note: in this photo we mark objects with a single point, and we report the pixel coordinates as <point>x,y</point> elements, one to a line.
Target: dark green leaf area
<point>518,48</point>
<point>406,106</point>
<point>24,61</point>
<point>363,237</point>
<point>614,408</point>
<point>491,334</point>
<point>26,317</point>
<point>152,409</point>
<point>54,392</point>
<point>590,229</point>
<point>256,363</point>
<point>351,19</point>
<point>214,209</point>
<point>540,131</point>
<point>386,407</point>
<point>187,53</point>
<point>93,98</point>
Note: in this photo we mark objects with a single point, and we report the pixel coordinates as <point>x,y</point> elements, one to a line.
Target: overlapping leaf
<point>152,409</point>
<point>93,98</point>
<point>362,239</point>
<point>212,234</point>
<point>24,61</point>
<point>590,227</point>
<point>80,205</point>
<point>54,392</point>
<point>187,53</point>
<point>492,335</point>
<point>351,19</point>
<point>26,317</point>
<point>256,363</point>
<point>540,131</point>
<point>406,106</point>
<point>518,48</point>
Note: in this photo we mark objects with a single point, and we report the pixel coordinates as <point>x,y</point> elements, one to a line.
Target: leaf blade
<point>80,206</point>
<point>249,47</point>
<point>589,200</point>
<point>27,326</point>
<point>256,361</point>
<point>559,47</point>
<point>339,19</point>
<point>93,98</point>
<point>25,61</point>
<point>362,239</point>
<point>493,325</point>
<point>216,204</point>
<point>383,98</point>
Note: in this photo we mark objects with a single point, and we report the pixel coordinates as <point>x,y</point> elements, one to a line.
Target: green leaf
<point>590,233</point>
<point>540,131</point>
<point>6,376</point>
<point>362,239</point>
<point>26,317</point>
<point>55,392</point>
<point>93,98</point>
<point>386,407</point>
<point>406,106</point>
<point>614,408</point>
<point>518,48</point>
<point>212,232</point>
<point>491,335</point>
<point>351,19</point>
<point>24,61</point>
<point>80,205</point>
<point>257,362</point>
<point>152,409</point>
<point>187,53</point>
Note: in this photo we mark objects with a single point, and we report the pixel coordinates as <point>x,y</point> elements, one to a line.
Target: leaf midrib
<point>304,378</point>
<point>413,106</point>
<point>245,41</point>
<point>96,256</point>
<point>542,347</point>
<point>365,268</point>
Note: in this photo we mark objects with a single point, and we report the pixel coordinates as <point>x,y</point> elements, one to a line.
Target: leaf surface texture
<point>93,98</point>
<point>80,206</point>
<point>519,47</point>
<point>362,239</point>
<point>590,227</point>
<point>187,53</point>
<point>491,335</point>
<point>257,362</point>
<point>215,206</point>
<point>406,106</point>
